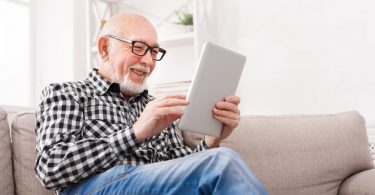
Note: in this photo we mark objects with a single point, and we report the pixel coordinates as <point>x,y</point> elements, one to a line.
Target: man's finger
<point>167,111</point>
<point>229,122</point>
<point>170,102</point>
<point>177,96</point>
<point>225,113</point>
<point>233,99</point>
<point>228,106</point>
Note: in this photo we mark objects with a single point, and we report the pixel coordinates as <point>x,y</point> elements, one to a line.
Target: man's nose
<point>147,58</point>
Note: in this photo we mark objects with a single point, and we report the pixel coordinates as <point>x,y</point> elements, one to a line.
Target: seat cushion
<point>24,155</point>
<point>6,174</point>
<point>303,154</point>
<point>360,183</point>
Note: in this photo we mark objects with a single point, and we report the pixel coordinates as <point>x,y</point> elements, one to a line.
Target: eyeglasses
<point>140,48</point>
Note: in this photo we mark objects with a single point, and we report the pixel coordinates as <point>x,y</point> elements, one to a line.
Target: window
<point>15,58</point>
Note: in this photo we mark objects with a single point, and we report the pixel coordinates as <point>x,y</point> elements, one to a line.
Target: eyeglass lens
<point>140,48</point>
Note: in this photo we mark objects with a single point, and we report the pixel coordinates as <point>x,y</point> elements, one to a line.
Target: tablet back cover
<point>217,75</point>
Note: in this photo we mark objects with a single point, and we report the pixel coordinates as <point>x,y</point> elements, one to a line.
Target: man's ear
<point>103,48</point>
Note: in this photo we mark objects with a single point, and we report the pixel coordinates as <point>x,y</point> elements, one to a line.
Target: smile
<point>138,72</point>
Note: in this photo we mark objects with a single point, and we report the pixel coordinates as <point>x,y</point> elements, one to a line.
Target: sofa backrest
<point>289,154</point>
<point>24,155</point>
<point>6,173</point>
<point>303,154</point>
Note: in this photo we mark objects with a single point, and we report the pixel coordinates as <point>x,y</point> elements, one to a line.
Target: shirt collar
<point>102,85</point>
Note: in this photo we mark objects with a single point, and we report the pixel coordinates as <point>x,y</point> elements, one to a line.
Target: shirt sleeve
<point>63,156</point>
<point>178,148</point>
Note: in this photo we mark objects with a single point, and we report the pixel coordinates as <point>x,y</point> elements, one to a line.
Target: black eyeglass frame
<point>149,48</point>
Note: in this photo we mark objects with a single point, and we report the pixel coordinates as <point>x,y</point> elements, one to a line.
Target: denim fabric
<point>214,171</point>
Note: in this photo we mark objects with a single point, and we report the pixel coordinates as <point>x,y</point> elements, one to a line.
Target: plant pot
<point>183,28</point>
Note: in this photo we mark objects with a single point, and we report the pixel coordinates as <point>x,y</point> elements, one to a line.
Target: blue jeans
<point>214,171</point>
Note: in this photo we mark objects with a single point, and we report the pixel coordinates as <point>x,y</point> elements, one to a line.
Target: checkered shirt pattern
<point>84,128</point>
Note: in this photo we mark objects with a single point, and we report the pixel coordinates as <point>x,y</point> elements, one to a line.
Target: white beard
<point>128,87</point>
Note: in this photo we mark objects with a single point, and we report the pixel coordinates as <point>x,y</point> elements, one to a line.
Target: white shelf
<point>177,40</point>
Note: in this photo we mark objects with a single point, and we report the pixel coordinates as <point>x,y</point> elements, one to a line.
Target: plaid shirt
<point>83,128</point>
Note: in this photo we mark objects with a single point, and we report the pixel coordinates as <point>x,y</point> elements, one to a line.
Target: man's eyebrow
<point>154,45</point>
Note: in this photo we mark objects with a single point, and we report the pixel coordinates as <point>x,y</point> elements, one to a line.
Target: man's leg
<point>215,171</point>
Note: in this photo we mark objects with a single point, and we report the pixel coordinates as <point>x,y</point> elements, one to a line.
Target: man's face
<point>129,69</point>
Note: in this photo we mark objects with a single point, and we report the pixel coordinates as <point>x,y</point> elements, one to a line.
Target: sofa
<point>290,155</point>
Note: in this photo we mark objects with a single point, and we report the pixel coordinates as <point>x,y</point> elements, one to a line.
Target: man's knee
<point>224,156</point>
<point>226,152</point>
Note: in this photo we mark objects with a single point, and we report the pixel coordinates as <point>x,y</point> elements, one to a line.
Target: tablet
<point>216,76</point>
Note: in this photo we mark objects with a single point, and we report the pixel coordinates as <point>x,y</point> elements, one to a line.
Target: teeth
<point>141,68</point>
<point>138,72</point>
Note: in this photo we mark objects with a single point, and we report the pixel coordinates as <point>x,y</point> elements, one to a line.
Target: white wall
<point>54,45</point>
<point>303,56</point>
<point>59,42</point>
<point>15,63</point>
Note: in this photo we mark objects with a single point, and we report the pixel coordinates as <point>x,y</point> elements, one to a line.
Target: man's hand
<point>227,112</point>
<point>158,115</point>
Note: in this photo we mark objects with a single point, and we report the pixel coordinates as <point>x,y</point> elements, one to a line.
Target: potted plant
<point>185,20</point>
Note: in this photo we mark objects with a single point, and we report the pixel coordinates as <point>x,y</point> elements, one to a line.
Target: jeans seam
<point>238,166</point>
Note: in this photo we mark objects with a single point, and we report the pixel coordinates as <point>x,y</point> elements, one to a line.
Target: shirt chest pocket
<point>103,120</point>
<point>105,113</point>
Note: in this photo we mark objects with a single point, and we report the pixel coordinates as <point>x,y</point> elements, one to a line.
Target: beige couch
<point>291,155</point>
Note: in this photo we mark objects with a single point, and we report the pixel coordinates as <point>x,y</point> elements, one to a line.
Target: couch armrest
<point>361,183</point>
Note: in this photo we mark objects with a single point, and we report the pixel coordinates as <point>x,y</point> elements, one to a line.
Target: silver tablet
<point>216,76</point>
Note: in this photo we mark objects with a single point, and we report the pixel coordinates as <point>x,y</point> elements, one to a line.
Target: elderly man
<point>107,135</point>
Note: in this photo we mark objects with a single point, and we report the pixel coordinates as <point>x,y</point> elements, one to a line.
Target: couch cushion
<point>303,154</point>
<point>24,155</point>
<point>6,174</point>
<point>360,183</point>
